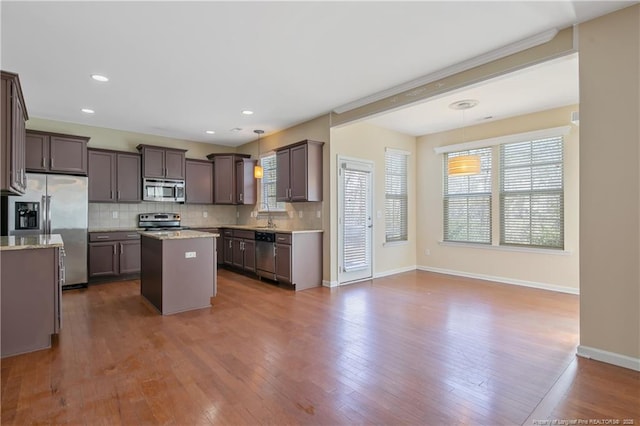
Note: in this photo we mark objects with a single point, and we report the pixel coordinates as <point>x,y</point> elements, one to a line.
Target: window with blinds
<point>268,185</point>
<point>395,181</point>
<point>532,193</point>
<point>467,201</point>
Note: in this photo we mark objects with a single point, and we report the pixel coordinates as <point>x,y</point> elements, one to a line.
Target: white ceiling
<point>180,68</point>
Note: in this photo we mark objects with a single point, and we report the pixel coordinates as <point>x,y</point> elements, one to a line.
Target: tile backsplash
<point>297,216</point>
<point>122,216</point>
<point>125,216</point>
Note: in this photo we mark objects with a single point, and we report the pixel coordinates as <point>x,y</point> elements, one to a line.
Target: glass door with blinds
<point>355,220</point>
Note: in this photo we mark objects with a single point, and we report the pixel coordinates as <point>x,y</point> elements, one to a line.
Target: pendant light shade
<point>464,165</point>
<point>258,171</point>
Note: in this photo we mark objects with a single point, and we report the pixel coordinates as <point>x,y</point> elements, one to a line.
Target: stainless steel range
<point>160,222</point>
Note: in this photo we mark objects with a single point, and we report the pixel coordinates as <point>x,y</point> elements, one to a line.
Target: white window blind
<point>355,220</point>
<point>396,211</point>
<point>467,201</point>
<point>532,193</point>
<point>268,185</point>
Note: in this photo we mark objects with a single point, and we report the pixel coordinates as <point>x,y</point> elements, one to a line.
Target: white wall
<point>540,269</point>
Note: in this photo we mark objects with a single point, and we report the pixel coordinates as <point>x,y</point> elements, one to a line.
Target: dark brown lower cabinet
<point>112,254</point>
<point>30,298</point>
<point>244,251</point>
<point>299,259</point>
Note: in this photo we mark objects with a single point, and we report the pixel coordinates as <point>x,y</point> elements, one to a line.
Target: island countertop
<point>177,235</point>
<point>31,242</point>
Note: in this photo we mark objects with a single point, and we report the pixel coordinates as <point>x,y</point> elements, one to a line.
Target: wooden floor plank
<point>413,348</point>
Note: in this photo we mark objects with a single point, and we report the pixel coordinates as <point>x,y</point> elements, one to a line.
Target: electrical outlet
<point>427,252</point>
<point>291,214</point>
<point>114,214</point>
<point>205,214</point>
<point>300,214</point>
<point>189,254</point>
<point>237,214</point>
<point>318,214</point>
<point>379,214</point>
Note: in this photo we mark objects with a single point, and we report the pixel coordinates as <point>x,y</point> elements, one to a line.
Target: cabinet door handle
<point>114,249</point>
<point>230,244</point>
<point>121,249</point>
<point>111,196</point>
<point>44,161</point>
<point>118,195</point>
<point>241,196</point>
<point>132,235</point>
<point>51,163</point>
<point>102,237</point>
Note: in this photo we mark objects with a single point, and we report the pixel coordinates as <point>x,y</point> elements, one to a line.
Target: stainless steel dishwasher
<point>266,254</point>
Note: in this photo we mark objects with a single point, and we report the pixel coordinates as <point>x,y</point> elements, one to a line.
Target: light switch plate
<point>300,214</point>
<point>114,214</point>
<point>205,214</point>
<point>318,214</point>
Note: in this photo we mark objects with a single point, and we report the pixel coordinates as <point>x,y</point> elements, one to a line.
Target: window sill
<point>531,250</point>
<point>395,243</point>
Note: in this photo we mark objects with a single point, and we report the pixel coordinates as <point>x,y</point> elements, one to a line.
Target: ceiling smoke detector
<point>464,104</point>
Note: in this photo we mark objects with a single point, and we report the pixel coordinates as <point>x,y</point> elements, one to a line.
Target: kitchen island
<point>32,277</point>
<point>178,269</point>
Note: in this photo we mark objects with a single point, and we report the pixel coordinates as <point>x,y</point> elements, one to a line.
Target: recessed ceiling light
<point>210,132</point>
<point>464,104</point>
<point>88,111</point>
<point>236,129</point>
<point>100,78</point>
<point>247,112</point>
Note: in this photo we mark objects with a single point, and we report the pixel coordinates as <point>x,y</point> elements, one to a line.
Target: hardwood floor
<point>414,348</point>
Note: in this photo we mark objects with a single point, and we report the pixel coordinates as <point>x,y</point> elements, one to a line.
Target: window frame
<point>279,206</point>
<point>494,143</point>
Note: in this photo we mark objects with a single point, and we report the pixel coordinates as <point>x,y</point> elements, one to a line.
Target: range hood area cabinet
<point>161,162</point>
<point>299,172</point>
<point>233,181</point>
<point>48,152</point>
<point>199,182</point>
<point>13,178</point>
<point>114,176</point>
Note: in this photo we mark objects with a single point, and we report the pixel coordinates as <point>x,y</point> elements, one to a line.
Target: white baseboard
<point>503,280</point>
<point>394,271</point>
<point>326,283</point>
<point>609,357</point>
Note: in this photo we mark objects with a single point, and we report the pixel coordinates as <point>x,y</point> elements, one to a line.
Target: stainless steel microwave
<point>163,190</point>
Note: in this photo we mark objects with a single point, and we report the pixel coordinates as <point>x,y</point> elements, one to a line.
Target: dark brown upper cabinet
<point>299,172</point>
<point>56,153</point>
<point>199,182</point>
<point>233,181</point>
<point>114,176</point>
<point>245,182</point>
<point>160,162</point>
<point>13,180</point>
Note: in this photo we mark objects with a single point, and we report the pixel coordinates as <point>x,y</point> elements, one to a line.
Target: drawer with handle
<point>95,237</point>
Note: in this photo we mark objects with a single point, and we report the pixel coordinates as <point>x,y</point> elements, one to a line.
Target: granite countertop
<point>115,229</point>
<point>177,235</point>
<point>31,242</point>
<point>265,229</point>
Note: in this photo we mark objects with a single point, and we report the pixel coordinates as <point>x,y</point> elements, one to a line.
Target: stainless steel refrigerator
<point>55,204</point>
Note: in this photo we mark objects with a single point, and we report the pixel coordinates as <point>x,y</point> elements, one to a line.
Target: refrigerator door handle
<point>47,229</point>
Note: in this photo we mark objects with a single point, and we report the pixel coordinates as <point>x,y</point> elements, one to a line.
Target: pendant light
<point>258,171</point>
<point>464,165</point>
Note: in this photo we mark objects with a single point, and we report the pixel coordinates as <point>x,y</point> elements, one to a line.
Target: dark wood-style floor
<point>415,348</point>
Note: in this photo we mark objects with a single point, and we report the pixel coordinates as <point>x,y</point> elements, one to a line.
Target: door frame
<point>339,193</point>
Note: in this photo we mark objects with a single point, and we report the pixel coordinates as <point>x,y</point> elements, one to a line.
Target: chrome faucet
<point>270,224</point>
